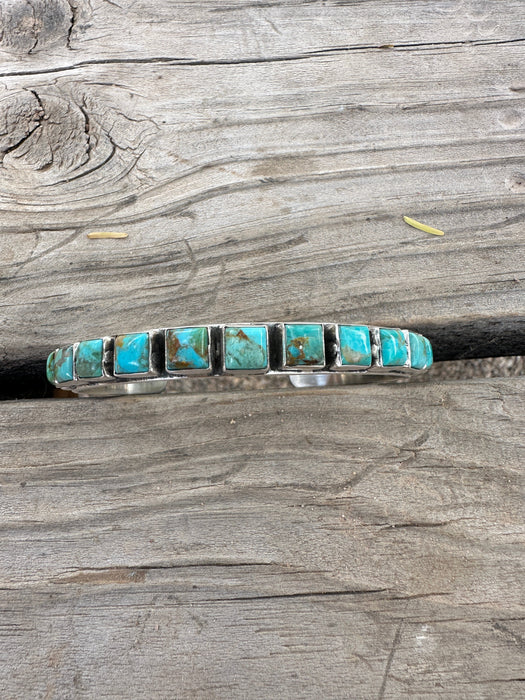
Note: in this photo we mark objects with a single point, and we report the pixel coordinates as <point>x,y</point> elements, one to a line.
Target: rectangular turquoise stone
<point>187,349</point>
<point>304,345</point>
<point>64,364</point>
<point>420,351</point>
<point>245,348</point>
<point>88,358</point>
<point>50,368</point>
<point>355,346</point>
<point>132,353</point>
<point>394,349</point>
<point>428,351</point>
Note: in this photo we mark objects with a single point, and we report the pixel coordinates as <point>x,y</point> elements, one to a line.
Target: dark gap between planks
<point>25,378</point>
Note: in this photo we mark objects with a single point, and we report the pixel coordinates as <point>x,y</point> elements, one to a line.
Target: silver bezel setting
<point>415,369</point>
<point>337,365</point>
<point>301,368</point>
<point>377,366</point>
<point>152,370</point>
<point>70,382</point>
<point>190,371</point>
<point>107,359</point>
<point>243,372</point>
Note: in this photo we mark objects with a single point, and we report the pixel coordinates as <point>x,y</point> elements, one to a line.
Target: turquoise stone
<point>420,351</point>
<point>245,347</point>
<point>394,350</point>
<point>429,352</point>
<point>304,344</point>
<point>355,345</point>
<point>50,368</point>
<point>187,348</point>
<point>88,358</point>
<point>64,364</point>
<point>132,353</point>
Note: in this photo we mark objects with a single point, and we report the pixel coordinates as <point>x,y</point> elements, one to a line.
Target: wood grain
<point>352,542</point>
<point>261,157</point>
<point>362,542</point>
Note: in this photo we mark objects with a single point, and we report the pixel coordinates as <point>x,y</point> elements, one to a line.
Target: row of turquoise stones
<point>245,349</point>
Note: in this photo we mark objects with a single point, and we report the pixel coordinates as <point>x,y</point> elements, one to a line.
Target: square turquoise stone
<point>245,348</point>
<point>304,344</point>
<point>420,351</point>
<point>88,358</point>
<point>394,349</point>
<point>355,346</point>
<point>64,364</point>
<point>132,353</point>
<point>187,348</point>
<point>50,368</point>
<point>428,351</point>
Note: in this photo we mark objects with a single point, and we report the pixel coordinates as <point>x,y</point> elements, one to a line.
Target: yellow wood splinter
<point>423,227</point>
<point>107,234</point>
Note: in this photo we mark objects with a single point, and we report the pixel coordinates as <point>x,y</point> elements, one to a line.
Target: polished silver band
<point>142,363</point>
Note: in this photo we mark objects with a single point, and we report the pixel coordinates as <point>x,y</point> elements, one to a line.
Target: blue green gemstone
<point>50,368</point>
<point>355,345</point>
<point>132,353</point>
<point>429,352</point>
<point>245,347</point>
<point>304,344</point>
<point>64,364</point>
<point>394,350</point>
<point>88,358</point>
<point>187,348</point>
<point>417,351</point>
<point>420,351</point>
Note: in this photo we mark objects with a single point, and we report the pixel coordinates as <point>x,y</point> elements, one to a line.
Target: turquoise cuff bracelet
<point>144,362</point>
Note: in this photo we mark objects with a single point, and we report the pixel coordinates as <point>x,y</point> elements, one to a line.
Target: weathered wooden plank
<point>352,542</point>
<point>53,34</point>
<point>260,176</point>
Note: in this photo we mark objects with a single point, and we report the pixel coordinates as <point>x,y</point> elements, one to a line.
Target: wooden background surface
<point>363,543</point>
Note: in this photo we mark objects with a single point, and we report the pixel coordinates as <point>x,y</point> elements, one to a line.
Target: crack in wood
<point>181,61</point>
<point>306,594</point>
<point>390,659</point>
<point>74,11</point>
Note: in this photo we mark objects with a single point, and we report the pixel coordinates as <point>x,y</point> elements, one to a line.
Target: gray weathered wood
<point>261,156</point>
<point>352,543</point>
<point>360,542</point>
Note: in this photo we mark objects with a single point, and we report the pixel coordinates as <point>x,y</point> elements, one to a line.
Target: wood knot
<point>42,133</point>
<point>29,25</point>
<point>516,182</point>
<point>55,145</point>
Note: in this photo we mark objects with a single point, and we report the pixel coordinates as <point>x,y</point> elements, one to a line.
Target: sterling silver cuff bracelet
<point>143,363</point>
